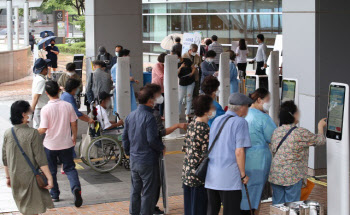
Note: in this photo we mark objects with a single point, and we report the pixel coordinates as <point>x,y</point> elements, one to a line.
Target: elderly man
<point>226,169</point>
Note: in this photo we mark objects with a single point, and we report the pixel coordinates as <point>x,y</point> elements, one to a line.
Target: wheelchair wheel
<point>126,164</point>
<point>104,154</point>
<point>82,158</point>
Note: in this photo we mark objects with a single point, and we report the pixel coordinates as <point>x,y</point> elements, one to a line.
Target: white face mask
<point>70,73</point>
<point>159,100</point>
<point>210,60</point>
<point>30,117</point>
<point>266,106</point>
<point>213,114</point>
<point>178,60</point>
<point>193,54</point>
<point>117,54</point>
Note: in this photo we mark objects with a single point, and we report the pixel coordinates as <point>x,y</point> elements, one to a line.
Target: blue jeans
<point>283,194</point>
<point>142,181</point>
<point>66,157</point>
<point>195,200</point>
<point>188,92</point>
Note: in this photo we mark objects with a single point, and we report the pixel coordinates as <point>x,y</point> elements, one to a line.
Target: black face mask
<point>52,44</point>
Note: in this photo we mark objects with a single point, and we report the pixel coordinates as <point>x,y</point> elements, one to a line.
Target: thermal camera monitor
<point>335,112</point>
<point>288,90</point>
<point>250,84</point>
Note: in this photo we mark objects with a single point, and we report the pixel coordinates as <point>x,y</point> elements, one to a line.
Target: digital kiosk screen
<point>250,84</point>
<point>335,112</point>
<point>288,90</point>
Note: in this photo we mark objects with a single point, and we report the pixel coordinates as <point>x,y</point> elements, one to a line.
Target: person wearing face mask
<point>196,146</point>
<point>233,72</point>
<point>290,157</point>
<point>118,48</point>
<point>208,66</point>
<point>52,52</point>
<point>141,141</point>
<point>210,87</point>
<point>102,115</point>
<point>29,198</point>
<point>104,56</point>
<point>258,157</point>
<point>196,62</point>
<point>226,167</point>
<point>162,133</point>
<point>70,73</point>
<point>158,78</point>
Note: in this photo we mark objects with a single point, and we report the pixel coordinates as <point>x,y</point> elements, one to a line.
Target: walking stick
<point>250,204</point>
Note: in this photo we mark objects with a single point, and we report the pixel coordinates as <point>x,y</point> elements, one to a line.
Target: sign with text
<point>191,38</point>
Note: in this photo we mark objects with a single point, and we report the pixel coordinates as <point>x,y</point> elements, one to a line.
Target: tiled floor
<point>175,204</point>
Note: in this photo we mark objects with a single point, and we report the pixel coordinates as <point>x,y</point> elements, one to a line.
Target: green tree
<point>72,6</point>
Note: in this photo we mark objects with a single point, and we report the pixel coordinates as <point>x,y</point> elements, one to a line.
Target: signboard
<point>288,90</point>
<point>60,26</point>
<point>250,85</point>
<point>335,111</point>
<point>61,30</point>
<point>191,38</point>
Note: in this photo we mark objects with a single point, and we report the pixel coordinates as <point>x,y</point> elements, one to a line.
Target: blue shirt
<point>70,99</point>
<point>223,172</point>
<point>141,137</point>
<point>208,69</point>
<point>50,55</point>
<point>233,78</point>
<point>219,112</point>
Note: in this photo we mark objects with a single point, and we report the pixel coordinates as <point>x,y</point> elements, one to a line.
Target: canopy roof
<point>20,3</point>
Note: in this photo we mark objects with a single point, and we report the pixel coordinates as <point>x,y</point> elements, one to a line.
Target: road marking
<point>318,182</point>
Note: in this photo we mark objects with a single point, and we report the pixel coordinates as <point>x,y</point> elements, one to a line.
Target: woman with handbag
<point>196,145</point>
<point>290,149</point>
<point>29,185</point>
<point>258,157</point>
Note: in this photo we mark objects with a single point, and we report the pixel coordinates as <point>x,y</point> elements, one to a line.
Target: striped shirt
<point>218,49</point>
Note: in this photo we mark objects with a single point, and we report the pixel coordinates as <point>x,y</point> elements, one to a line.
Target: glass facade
<point>229,20</point>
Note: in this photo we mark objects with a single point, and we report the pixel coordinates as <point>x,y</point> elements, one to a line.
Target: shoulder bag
<point>283,139</point>
<point>39,175</point>
<point>201,171</point>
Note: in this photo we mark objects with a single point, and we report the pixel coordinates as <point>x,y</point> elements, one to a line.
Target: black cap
<point>40,64</point>
<point>103,95</point>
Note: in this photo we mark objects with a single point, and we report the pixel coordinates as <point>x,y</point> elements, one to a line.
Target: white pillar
<point>16,26</point>
<point>171,93</point>
<point>26,23</point>
<point>9,25</point>
<point>224,78</point>
<point>123,87</point>
<point>274,85</point>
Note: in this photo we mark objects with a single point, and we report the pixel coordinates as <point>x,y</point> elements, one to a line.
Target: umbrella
<point>44,34</point>
<point>46,40</point>
<point>168,42</point>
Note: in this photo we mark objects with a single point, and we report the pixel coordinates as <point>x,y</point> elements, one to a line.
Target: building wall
<point>229,20</point>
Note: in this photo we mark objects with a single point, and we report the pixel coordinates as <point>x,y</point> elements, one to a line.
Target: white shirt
<point>242,55</point>
<point>102,117</point>
<point>261,53</point>
<point>38,87</point>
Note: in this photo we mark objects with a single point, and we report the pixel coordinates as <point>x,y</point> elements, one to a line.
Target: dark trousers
<point>195,200</point>
<point>231,201</point>
<point>66,157</point>
<point>260,71</point>
<point>157,182</point>
<point>161,107</point>
<point>242,67</point>
<point>142,181</point>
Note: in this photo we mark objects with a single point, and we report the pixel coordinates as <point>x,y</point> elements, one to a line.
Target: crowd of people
<point>243,144</point>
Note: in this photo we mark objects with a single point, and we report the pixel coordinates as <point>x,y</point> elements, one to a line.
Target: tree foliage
<point>75,6</point>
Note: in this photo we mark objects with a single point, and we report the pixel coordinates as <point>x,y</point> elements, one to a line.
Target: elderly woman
<point>290,147</point>
<point>29,198</point>
<point>196,145</point>
<point>210,87</point>
<point>233,72</point>
<point>158,78</point>
<point>258,157</point>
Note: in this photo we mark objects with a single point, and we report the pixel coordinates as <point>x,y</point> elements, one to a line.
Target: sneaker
<point>55,199</point>
<point>158,211</point>
<point>78,201</point>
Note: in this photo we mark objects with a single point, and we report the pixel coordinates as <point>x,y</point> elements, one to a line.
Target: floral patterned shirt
<point>196,145</point>
<point>290,163</point>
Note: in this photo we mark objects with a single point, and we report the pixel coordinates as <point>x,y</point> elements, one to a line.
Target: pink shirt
<point>57,116</point>
<point>158,75</point>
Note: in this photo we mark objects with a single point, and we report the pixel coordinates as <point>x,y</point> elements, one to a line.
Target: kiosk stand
<point>253,82</point>
<point>338,150</point>
<point>290,91</point>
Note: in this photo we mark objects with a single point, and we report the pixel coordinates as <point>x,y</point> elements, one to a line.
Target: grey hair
<point>234,108</point>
